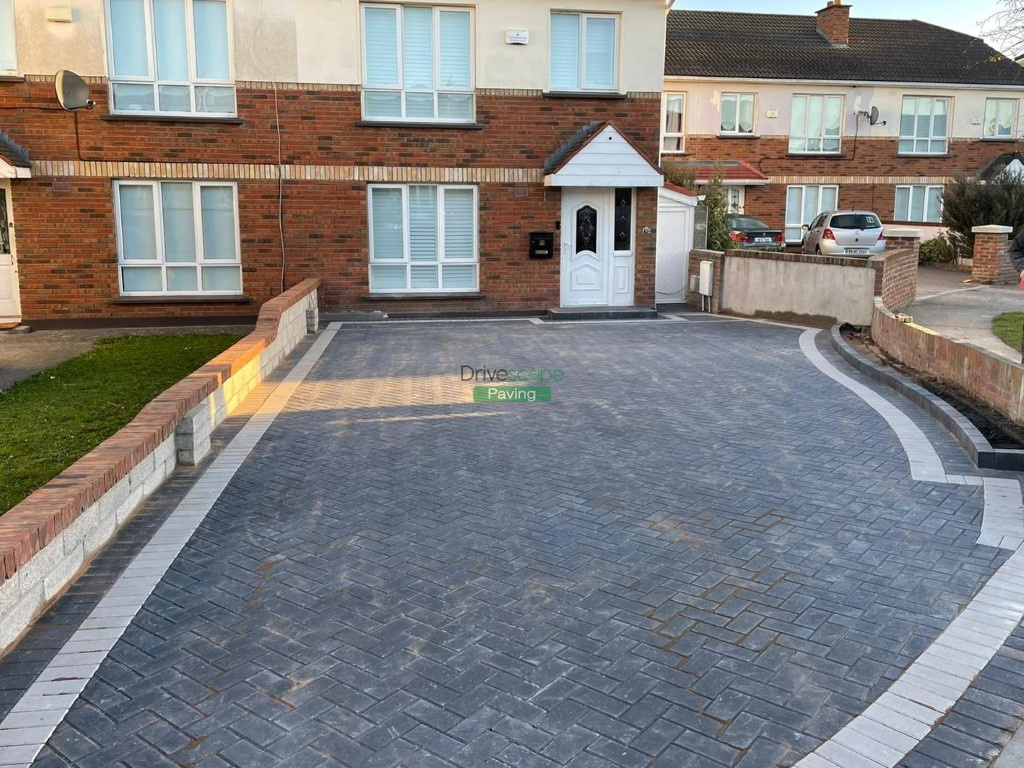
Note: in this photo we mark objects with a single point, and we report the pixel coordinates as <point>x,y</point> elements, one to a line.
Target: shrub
<point>968,203</point>
<point>938,250</point>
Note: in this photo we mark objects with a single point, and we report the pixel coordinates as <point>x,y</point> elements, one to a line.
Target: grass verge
<point>1007,327</point>
<point>51,420</point>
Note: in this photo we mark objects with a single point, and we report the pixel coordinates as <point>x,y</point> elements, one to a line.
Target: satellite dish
<point>72,91</point>
<point>873,117</point>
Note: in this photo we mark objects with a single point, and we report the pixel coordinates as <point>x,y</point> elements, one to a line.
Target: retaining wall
<point>50,536</point>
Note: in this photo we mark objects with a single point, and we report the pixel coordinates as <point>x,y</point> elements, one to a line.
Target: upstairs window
<point>1000,115</point>
<point>815,125</point>
<point>737,114</point>
<point>170,57</point>
<point>8,52</point>
<point>924,126</point>
<point>417,64</point>
<point>584,52</point>
<point>672,134</point>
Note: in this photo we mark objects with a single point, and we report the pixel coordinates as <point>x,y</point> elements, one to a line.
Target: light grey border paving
<point>925,463</point>
<point>894,724</point>
<point>33,719</point>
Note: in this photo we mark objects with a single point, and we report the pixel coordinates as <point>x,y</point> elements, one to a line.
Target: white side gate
<point>676,208</point>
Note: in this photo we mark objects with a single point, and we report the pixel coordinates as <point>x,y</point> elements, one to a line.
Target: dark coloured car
<point>753,234</point>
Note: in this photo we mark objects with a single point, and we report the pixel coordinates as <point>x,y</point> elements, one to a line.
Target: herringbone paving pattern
<point>701,553</point>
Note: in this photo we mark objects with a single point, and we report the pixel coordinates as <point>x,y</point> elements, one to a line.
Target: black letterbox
<point>542,245</point>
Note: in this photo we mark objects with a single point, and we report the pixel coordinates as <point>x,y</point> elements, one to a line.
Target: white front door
<point>597,247</point>
<point>10,301</point>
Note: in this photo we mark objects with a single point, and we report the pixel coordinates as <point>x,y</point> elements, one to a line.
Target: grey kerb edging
<point>24,596</point>
<point>978,449</point>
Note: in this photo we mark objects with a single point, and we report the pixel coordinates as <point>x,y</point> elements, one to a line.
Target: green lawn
<point>1008,328</point>
<point>51,420</point>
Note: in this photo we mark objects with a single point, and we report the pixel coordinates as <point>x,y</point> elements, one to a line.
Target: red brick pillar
<point>991,264</point>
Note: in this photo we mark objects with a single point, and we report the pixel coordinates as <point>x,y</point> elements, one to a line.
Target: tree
<point>968,203</point>
<point>1005,27</point>
<point>718,215</point>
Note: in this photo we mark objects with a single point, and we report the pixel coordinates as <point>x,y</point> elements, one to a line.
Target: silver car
<point>844,233</point>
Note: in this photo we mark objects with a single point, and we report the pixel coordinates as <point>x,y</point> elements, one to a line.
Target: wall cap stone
<point>991,229</point>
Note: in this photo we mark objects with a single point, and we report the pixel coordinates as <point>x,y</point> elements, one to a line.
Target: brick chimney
<point>834,22</point>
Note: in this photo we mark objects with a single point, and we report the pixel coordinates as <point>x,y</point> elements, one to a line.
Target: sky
<point>961,15</point>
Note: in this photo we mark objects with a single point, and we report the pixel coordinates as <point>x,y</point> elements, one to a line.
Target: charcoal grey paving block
<point>694,547</point>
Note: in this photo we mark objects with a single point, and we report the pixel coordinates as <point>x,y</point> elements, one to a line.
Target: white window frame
<point>821,137</point>
<point>1014,104</point>
<point>194,82</point>
<point>8,38</point>
<point>406,259</point>
<point>924,189</point>
<point>400,88</point>
<point>738,95</point>
<point>932,136</point>
<point>158,222</point>
<point>581,76</point>
<point>674,135</point>
<point>788,224</point>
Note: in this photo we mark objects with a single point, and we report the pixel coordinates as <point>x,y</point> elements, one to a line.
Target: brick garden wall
<point>987,376</point>
<point>50,536</point>
<point>896,276</point>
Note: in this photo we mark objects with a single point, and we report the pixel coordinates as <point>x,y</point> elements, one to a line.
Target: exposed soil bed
<point>1000,431</point>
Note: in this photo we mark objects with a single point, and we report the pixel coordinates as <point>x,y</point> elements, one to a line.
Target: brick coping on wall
<point>32,524</point>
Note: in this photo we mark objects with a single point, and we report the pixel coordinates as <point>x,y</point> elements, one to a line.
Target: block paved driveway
<point>703,552</point>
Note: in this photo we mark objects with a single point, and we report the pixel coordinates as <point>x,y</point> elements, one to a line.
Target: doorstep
<point>602,313</point>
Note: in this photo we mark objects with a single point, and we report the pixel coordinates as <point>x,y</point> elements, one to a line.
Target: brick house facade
<point>299,154</point>
<point>830,112</point>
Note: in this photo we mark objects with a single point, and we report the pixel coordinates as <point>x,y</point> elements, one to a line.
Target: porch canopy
<point>599,155</point>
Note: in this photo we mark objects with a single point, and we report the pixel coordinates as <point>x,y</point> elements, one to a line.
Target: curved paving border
<point>890,728</point>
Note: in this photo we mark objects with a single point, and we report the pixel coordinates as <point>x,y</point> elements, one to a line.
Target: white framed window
<point>918,203</point>
<point>804,203</point>
<point>1000,117</point>
<point>8,48</point>
<point>737,114</point>
<point>734,199</point>
<point>584,52</point>
<point>924,125</point>
<point>177,237</point>
<point>418,63</point>
<point>423,238</point>
<point>673,124</point>
<point>170,57</point>
<point>815,124</point>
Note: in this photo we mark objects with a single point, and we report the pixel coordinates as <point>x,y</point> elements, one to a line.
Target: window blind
<point>565,51</point>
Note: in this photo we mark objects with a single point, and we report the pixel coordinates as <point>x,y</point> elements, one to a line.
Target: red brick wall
<point>873,157</point>
<point>693,298</point>
<point>989,377</point>
<point>896,281</point>
<point>65,226</point>
<point>991,263</point>
<point>68,251</point>
<point>319,127</point>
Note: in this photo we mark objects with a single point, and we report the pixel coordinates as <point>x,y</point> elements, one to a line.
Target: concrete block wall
<point>47,539</point>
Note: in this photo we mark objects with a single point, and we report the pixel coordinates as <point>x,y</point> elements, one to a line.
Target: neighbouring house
<point>485,156</point>
<point>803,114</point>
